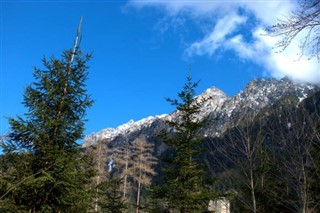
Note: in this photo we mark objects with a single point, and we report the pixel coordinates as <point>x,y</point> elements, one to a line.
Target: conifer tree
<point>111,197</point>
<point>185,185</point>
<point>56,104</point>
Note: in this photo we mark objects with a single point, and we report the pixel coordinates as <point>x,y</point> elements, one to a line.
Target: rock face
<point>222,110</point>
<point>254,97</point>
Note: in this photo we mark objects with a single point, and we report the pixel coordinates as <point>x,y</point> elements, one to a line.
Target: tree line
<point>43,168</point>
<point>268,163</point>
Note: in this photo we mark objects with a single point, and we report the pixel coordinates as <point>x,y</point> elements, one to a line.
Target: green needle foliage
<point>186,184</point>
<point>111,197</point>
<point>52,175</point>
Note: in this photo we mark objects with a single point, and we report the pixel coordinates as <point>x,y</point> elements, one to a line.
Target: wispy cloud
<point>232,29</point>
<point>218,37</point>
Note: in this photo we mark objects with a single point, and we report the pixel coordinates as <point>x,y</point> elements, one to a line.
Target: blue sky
<point>143,50</point>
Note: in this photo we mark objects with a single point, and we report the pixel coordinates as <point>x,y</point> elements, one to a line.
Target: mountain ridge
<point>225,110</point>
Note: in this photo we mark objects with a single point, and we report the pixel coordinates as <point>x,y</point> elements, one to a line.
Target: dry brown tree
<point>122,157</point>
<point>101,153</point>
<point>142,170</point>
<point>135,166</point>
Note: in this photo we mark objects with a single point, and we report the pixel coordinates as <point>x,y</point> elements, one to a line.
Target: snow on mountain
<point>215,98</point>
<point>127,128</point>
<point>223,110</point>
<point>248,102</point>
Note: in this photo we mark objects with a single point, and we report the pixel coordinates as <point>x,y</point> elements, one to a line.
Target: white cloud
<point>231,18</point>
<point>217,37</point>
<point>269,12</point>
<point>255,50</point>
<point>288,62</point>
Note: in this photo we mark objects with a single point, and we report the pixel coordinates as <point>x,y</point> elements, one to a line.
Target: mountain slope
<point>222,110</point>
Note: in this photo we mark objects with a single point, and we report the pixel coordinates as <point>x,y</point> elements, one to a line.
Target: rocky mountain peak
<point>225,111</point>
<point>213,92</point>
<point>124,129</point>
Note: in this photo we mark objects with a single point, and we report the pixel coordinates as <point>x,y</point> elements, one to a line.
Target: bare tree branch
<point>306,19</point>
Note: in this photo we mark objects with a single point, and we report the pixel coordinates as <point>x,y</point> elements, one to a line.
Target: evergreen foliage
<point>47,172</point>
<point>185,183</point>
<point>111,197</point>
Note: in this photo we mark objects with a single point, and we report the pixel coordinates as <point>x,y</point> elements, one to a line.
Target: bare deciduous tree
<point>101,155</point>
<point>134,164</point>
<point>298,131</point>
<point>122,156</point>
<point>143,163</point>
<point>239,150</point>
<point>305,19</point>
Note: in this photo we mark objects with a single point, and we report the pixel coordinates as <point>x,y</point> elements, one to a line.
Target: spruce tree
<point>185,183</point>
<point>111,197</point>
<point>56,103</point>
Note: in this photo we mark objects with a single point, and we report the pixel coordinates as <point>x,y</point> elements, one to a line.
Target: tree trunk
<point>139,185</point>
<point>138,198</point>
<point>126,172</point>
<point>254,205</point>
<point>304,191</point>
<point>98,177</point>
<point>97,191</point>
